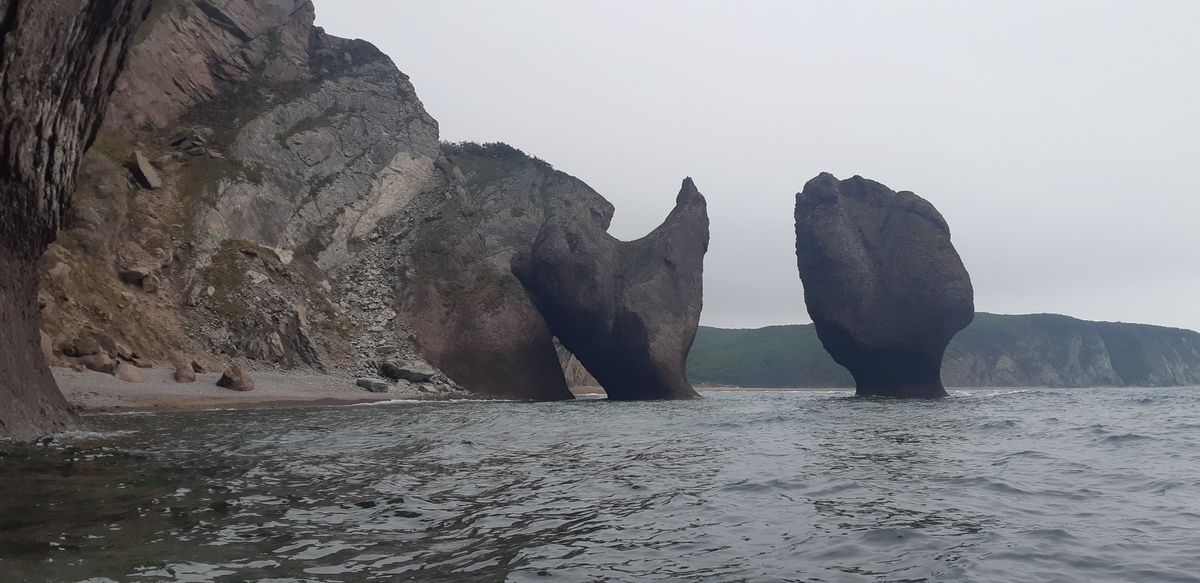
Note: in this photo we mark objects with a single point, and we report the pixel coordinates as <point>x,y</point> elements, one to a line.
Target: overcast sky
<point>1061,140</point>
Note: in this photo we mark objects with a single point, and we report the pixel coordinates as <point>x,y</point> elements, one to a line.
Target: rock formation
<point>883,284</point>
<point>264,193</point>
<point>470,315</point>
<point>236,379</point>
<point>627,311</point>
<point>58,62</point>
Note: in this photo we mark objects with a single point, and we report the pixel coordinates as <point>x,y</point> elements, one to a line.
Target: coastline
<point>92,392</point>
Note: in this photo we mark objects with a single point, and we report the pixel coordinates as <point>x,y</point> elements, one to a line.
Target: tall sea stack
<point>627,310</point>
<point>884,286</point>
<point>58,63</point>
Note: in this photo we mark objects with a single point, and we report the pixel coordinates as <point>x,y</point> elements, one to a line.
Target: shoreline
<point>92,393</point>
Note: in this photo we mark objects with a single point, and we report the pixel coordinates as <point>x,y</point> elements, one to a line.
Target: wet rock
<point>372,385</point>
<point>234,378</point>
<point>627,310</point>
<point>884,286</point>
<point>129,373</point>
<point>146,172</point>
<point>409,371</point>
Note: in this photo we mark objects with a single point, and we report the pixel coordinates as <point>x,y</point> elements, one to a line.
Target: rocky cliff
<point>264,192</point>
<point>1037,350</point>
<point>882,281</point>
<point>58,62</point>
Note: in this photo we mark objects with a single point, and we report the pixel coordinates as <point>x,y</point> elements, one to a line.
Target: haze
<point>1060,139</point>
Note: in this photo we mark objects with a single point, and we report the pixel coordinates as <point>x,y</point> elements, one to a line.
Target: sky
<point>1061,140</point>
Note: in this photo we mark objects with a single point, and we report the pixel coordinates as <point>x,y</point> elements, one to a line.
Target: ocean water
<point>1005,485</point>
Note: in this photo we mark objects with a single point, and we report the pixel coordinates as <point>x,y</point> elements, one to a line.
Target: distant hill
<point>1043,350</point>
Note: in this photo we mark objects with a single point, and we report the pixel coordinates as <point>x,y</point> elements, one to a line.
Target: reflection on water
<point>772,486</point>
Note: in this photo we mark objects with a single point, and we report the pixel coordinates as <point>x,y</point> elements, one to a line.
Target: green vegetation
<point>775,356</point>
<point>227,275</point>
<point>792,356</point>
<point>492,160</point>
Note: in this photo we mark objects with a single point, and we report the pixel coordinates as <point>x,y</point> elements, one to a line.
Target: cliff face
<point>58,61</point>
<point>263,191</point>
<point>282,162</point>
<point>1039,350</point>
<point>1047,350</point>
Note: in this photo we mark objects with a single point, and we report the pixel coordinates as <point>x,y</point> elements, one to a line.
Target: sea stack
<point>58,62</point>
<point>627,310</point>
<point>884,286</point>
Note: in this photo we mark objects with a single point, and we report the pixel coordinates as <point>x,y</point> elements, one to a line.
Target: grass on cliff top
<point>493,151</point>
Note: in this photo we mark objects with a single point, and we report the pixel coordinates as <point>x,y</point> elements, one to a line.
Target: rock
<point>184,372</point>
<point>84,346</point>
<point>236,379</point>
<point>129,373</point>
<point>372,385</point>
<point>99,363</point>
<point>469,314</point>
<point>197,368</point>
<point>275,346</point>
<point>884,286</point>
<point>150,284</point>
<point>146,172</point>
<point>134,275</point>
<point>627,310</point>
<point>409,371</point>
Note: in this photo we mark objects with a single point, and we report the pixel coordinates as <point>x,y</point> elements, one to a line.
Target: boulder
<point>236,379</point>
<point>129,373</point>
<point>405,370</point>
<point>82,346</point>
<point>146,173</point>
<point>183,371</point>
<point>627,310</point>
<point>372,385</point>
<point>99,363</point>
<point>884,286</point>
<point>134,275</point>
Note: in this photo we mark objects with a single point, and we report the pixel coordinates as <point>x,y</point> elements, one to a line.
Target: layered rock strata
<point>58,62</point>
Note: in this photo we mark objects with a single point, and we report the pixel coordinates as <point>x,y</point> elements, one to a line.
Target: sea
<point>815,486</point>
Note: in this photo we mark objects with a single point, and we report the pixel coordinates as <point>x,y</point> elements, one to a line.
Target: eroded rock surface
<point>58,62</point>
<point>883,284</point>
<point>305,214</point>
<point>470,315</point>
<point>627,310</point>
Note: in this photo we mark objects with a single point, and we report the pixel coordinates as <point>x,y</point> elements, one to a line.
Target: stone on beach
<point>236,379</point>
<point>372,385</point>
